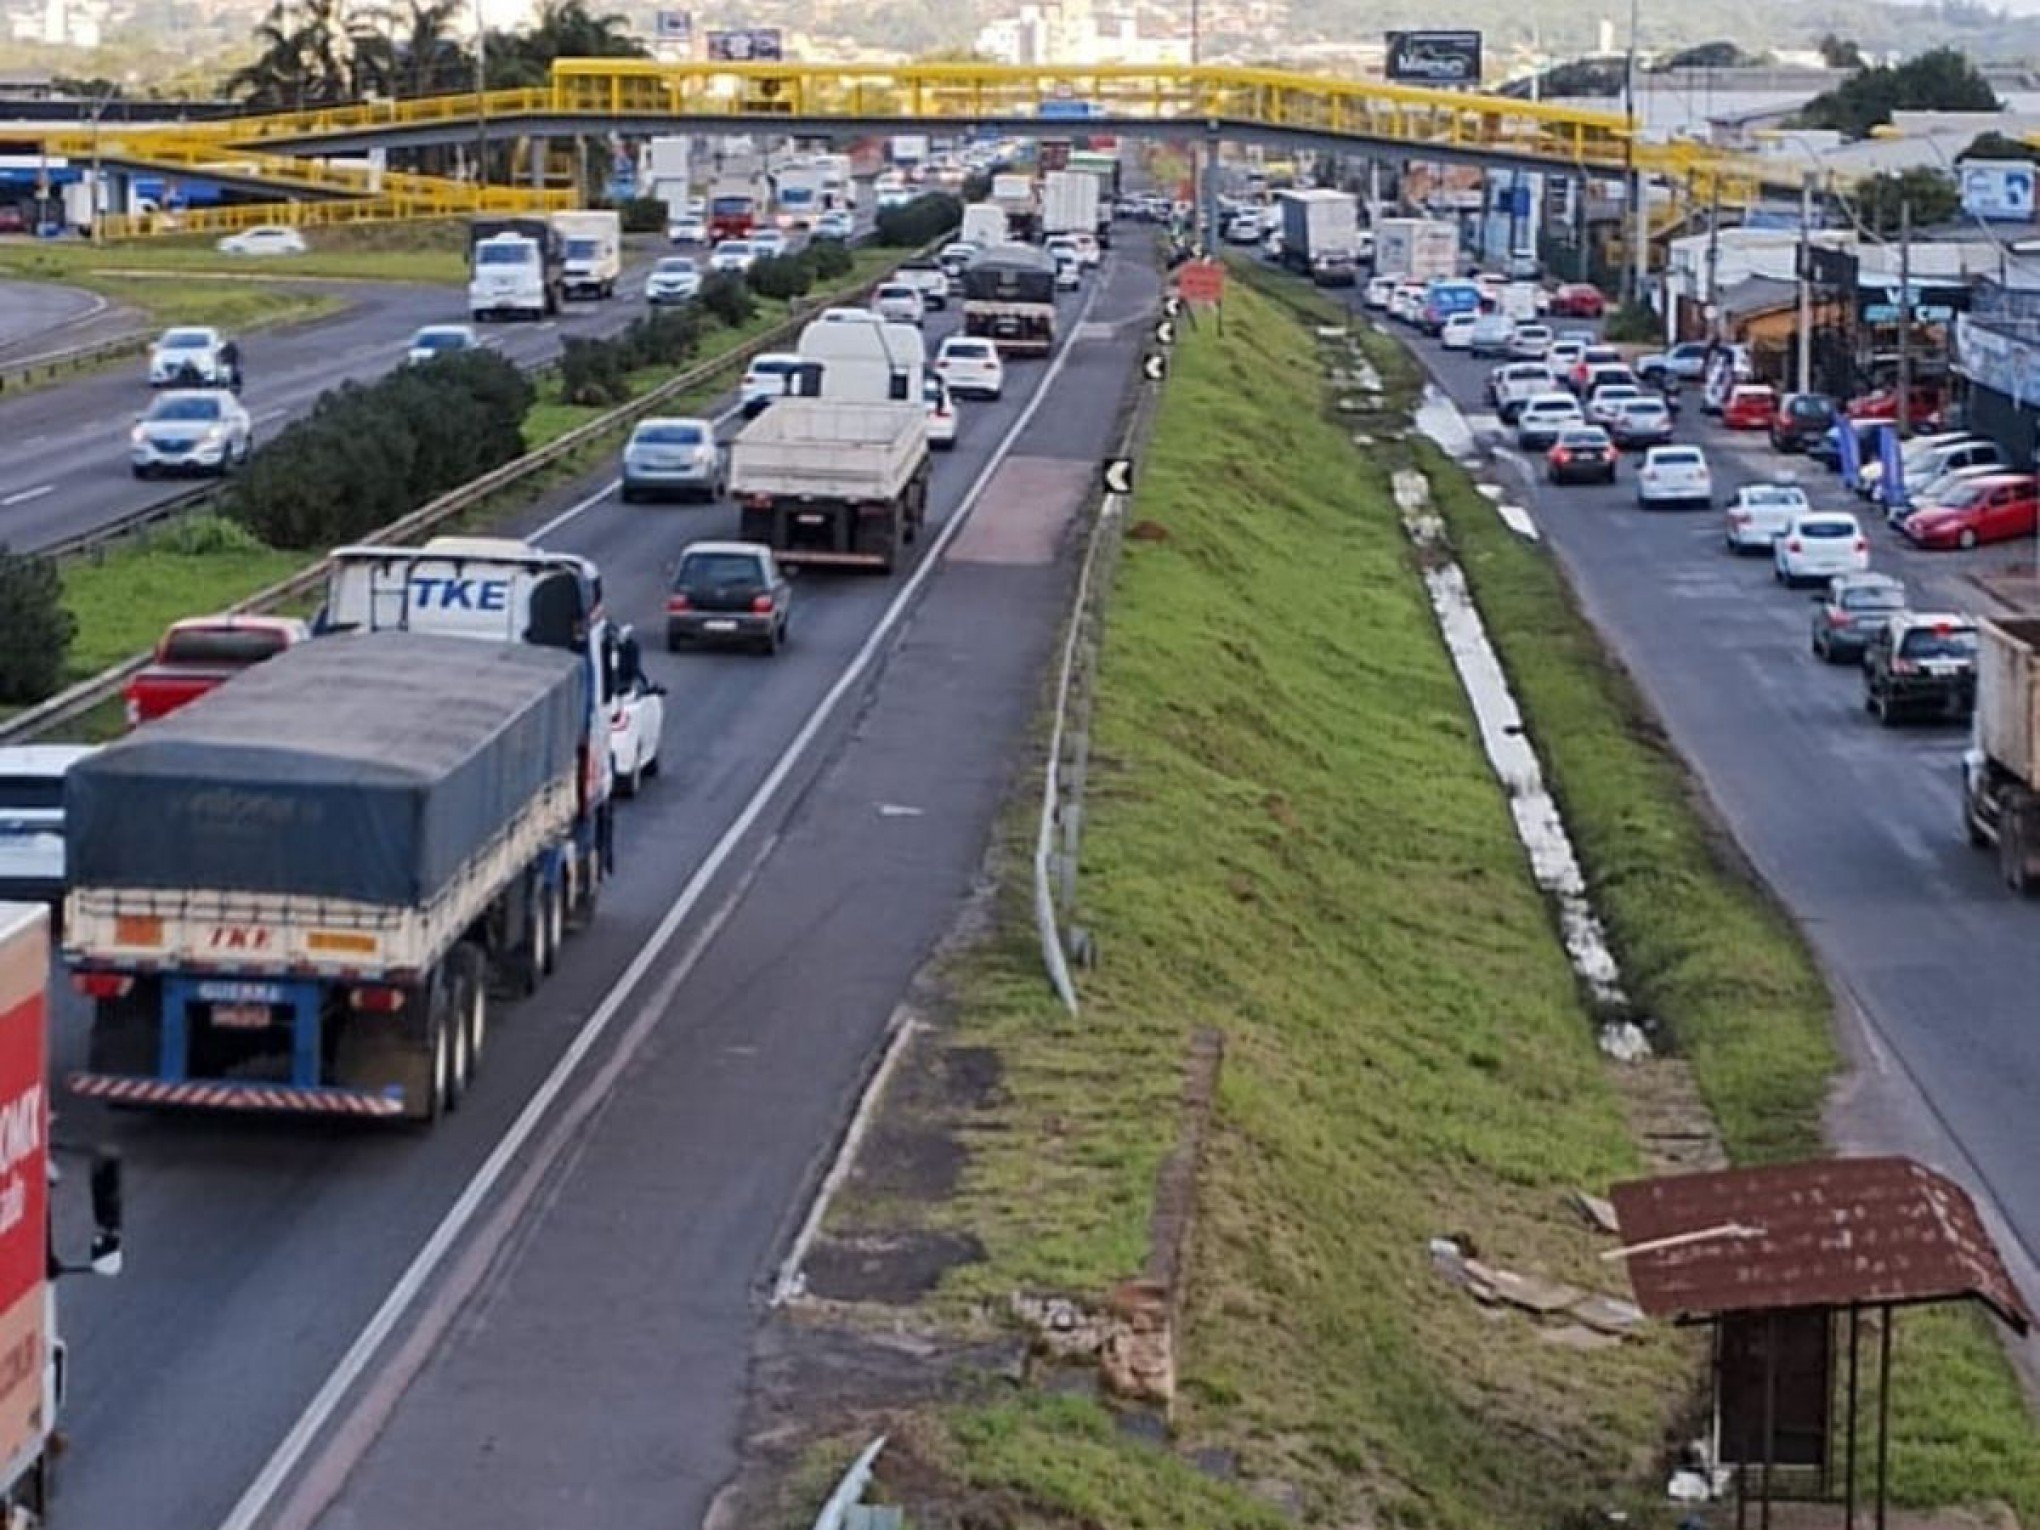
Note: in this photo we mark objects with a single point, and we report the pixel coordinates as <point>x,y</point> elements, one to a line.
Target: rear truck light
<point>761,604</point>
<point>676,604</point>
<point>1862,544</point>
<point>1840,619</point>
<point>102,985</point>
<point>377,1000</point>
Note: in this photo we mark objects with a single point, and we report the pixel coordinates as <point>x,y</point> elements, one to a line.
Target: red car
<point>1923,409</point>
<point>1578,300</point>
<point>1750,407</point>
<point>1998,508</point>
<point>201,653</point>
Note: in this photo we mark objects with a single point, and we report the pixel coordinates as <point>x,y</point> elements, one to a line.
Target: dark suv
<point>1854,607</point>
<point>1800,420</point>
<point>1920,663</point>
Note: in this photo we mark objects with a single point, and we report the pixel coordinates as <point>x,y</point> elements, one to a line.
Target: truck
<point>1320,234</point>
<point>591,246</point>
<point>1009,298</point>
<point>34,1381</point>
<point>1416,249</point>
<point>296,894</point>
<point>797,194</point>
<point>1069,202</point>
<point>665,168</point>
<point>200,653</point>
<point>909,151</point>
<point>2001,766</point>
<point>1014,195</point>
<point>984,224</point>
<point>515,268</point>
<point>735,206</point>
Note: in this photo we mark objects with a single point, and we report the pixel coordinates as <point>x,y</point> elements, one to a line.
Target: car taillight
<point>1793,545</point>
<point>762,604</point>
<point>1840,619</point>
<point>676,603</point>
<point>102,985</point>
<point>1560,455</point>
<point>1862,544</point>
<point>376,1001</point>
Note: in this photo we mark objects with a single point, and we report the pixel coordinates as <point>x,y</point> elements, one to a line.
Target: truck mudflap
<point>226,1094</point>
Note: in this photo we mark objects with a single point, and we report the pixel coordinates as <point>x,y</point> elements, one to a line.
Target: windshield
<point>717,570</point>
<point>582,249</point>
<point>796,196</point>
<point>728,206</point>
<point>671,435</point>
<point>1826,530</point>
<point>32,793</point>
<point>1939,643</point>
<point>773,368</point>
<point>1581,440</point>
<point>733,247</point>
<point>1643,409</point>
<point>896,294</point>
<point>186,340</point>
<point>185,409</point>
<point>676,265</point>
<point>1876,599</point>
<point>1772,494</point>
<point>222,645</point>
<point>1689,457</point>
<point>521,253</point>
<point>439,340</point>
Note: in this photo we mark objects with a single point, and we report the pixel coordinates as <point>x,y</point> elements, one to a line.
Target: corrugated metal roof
<point>1832,1232</point>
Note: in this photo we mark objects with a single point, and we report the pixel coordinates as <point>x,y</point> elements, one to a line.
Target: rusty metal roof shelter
<point>1771,1257</point>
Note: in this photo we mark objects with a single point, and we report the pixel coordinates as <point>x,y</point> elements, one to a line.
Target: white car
<point>1088,253</point>
<point>688,228</point>
<point>1456,333</point>
<point>191,430</point>
<point>1378,291</point>
<point>971,367</point>
<point>1530,342</point>
<point>1516,383</point>
<point>1061,247</point>
<point>1068,274</point>
<point>835,224</point>
<point>733,255</point>
<point>440,340</point>
<point>267,239</point>
<point>768,243</point>
<point>32,819</point>
<point>673,279</point>
<point>1541,417</point>
<point>1605,403</point>
<point>770,375</point>
<point>941,411</point>
<point>1818,545</point>
<point>1760,513</point>
<point>898,303</point>
<point>672,456</point>
<point>637,719</point>
<point>1674,475</point>
<point>190,357</point>
<point>1491,335</point>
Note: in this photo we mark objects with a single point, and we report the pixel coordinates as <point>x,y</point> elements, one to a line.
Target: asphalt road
<point>35,311</point>
<point>1857,827</point>
<point>259,1250</point>
<point>66,467</point>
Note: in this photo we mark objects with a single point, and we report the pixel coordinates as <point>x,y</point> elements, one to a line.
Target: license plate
<point>241,1017</point>
<point>720,626</point>
<point>812,520</point>
<point>240,993</point>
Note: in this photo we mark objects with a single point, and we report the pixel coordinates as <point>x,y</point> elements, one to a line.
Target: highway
<point>1857,827</point>
<point>39,317</point>
<point>66,470</point>
<point>817,823</point>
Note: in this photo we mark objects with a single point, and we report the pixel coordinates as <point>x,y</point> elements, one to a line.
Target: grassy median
<point>1292,837</point>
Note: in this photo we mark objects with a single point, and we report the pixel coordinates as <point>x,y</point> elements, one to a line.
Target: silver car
<point>675,279</point>
<point>32,819</point>
<point>191,430</point>
<point>672,456</point>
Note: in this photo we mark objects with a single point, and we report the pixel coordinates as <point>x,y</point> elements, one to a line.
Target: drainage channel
<point>1539,824</point>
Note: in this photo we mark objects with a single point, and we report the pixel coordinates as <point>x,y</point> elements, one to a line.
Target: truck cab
<point>510,279</point>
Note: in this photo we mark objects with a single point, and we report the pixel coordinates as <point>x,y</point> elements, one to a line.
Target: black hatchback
<point>1582,454</point>
<point>1801,419</point>
<point>728,592</point>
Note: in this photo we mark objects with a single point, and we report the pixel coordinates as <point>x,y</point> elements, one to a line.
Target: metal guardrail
<point>1062,783</point>
<point>97,690</point>
<point>29,369</point>
<point>836,1512</point>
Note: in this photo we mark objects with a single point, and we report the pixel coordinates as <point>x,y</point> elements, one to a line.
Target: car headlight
<point>215,434</point>
<point>139,436</point>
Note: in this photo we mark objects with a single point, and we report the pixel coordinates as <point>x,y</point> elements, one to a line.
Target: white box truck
<point>665,169</point>
<point>591,251</point>
<point>984,225</point>
<point>1321,234</point>
<point>1416,249</point>
<point>1069,202</point>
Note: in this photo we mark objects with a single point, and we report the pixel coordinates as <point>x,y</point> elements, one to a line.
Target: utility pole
<point>1806,284</point>
<point>1904,317</point>
<point>1640,237</point>
<point>1202,233</point>
<point>481,104</point>
<point>1714,266</point>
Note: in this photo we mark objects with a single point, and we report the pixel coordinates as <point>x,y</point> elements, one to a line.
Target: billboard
<point>674,27</point>
<point>1998,189</point>
<point>754,45</point>
<point>1434,58</point>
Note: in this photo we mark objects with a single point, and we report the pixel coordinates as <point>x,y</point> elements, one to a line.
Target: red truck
<point>202,652</point>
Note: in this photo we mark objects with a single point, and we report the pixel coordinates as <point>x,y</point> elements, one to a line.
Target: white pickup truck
<point>833,481</point>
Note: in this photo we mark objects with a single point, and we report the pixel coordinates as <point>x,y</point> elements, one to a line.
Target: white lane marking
<point>28,494</point>
<point>261,1493</point>
<point>271,414</point>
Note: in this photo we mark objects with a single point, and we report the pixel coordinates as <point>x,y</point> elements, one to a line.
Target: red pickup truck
<point>201,652</point>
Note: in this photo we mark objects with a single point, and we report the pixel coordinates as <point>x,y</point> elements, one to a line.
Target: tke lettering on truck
<point>32,1369</point>
<point>295,894</point>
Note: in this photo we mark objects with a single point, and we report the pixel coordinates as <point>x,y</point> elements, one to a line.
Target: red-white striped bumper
<point>217,1094</point>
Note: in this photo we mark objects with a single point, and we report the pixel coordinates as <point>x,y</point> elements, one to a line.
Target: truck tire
<point>2012,847</point>
<point>126,1033</point>
<point>475,1016</point>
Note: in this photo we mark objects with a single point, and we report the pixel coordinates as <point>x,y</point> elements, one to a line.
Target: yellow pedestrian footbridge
<point>591,96</point>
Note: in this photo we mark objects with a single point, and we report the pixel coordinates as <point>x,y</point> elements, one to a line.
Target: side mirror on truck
<point>106,1212</point>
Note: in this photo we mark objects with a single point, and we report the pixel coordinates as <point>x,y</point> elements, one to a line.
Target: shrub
<point>665,337</point>
<point>367,454</point>
<point>1634,322</point>
<point>919,222</point>
<point>781,276</point>
<point>832,259</point>
<point>200,536</point>
<point>35,629</point>
<point>726,296</point>
<point>643,215</point>
<point>593,371</point>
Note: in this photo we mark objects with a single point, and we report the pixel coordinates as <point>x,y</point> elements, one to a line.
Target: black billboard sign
<point>1434,58</point>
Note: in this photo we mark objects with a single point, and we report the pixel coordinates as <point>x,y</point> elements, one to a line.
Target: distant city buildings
<point>1084,32</point>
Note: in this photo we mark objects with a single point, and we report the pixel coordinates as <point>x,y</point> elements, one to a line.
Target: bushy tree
<point>1840,52</point>
<point>919,222</point>
<point>1995,145</point>
<point>725,296</point>
<point>643,215</point>
<point>1881,200</point>
<point>35,629</point>
<point>781,276</point>
<point>1941,80</point>
<point>832,259</point>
